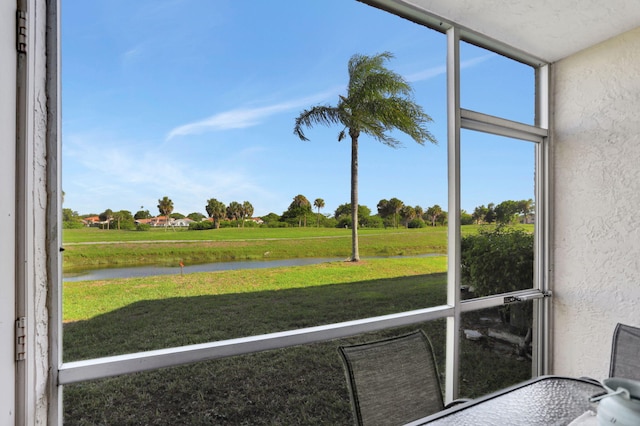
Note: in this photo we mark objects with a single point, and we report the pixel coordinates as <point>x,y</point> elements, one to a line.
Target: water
<point>145,271</point>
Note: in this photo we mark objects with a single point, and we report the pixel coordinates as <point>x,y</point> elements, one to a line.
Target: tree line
<point>389,213</point>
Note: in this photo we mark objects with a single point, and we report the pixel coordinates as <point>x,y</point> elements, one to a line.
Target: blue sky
<point>197,99</point>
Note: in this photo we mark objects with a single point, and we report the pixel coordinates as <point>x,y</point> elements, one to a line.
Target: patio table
<point>545,400</point>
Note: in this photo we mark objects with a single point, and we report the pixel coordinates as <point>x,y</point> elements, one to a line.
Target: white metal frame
<point>73,372</point>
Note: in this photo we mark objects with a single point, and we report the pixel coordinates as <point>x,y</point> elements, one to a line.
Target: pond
<point>145,271</point>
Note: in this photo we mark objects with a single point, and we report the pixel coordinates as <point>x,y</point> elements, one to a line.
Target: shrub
<point>373,222</point>
<point>72,224</point>
<point>416,223</point>
<point>200,226</point>
<point>497,261</point>
<point>275,224</point>
<point>344,222</point>
<point>142,227</point>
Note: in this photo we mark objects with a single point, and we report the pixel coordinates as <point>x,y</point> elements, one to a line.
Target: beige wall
<point>596,203</point>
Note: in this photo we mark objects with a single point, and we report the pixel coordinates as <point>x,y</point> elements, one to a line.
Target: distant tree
<point>234,211</point>
<point>384,210</point>
<point>196,216</point>
<point>433,213</point>
<point>490,216</point>
<point>124,219</point>
<point>247,211</point>
<point>106,216</point>
<point>419,212</point>
<point>507,211</point>
<point>407,213</point>
<point>69,215</point>
<point>318,204</point>
<point>395,206</point>
<point>299,208</point>
<point>165,206</point>
<point>378,100</point>
<point>216,210</point>
<point>342,210</point>
<point>442,219</point>
<point>526,207</point>
<point>465,218</point>
<point>71,219</point>
<point>344,215</point>
<point>142,214</point>
<point>479,214</point>
<point>272,220</point>
<point>177,216</point>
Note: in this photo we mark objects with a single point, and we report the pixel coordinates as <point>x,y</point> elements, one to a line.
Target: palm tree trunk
<point>355,253</point>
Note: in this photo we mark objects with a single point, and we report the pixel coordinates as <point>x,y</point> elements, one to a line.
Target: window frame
<point>63,373</point>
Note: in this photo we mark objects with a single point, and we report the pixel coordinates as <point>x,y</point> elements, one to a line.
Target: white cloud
<point>245,117</point>
<point>442,69</point>
<point>103,172</point>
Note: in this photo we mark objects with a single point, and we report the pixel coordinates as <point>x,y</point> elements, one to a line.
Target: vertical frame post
<point>453,267</point>
<point>541,354</point>
<point>54,209</point>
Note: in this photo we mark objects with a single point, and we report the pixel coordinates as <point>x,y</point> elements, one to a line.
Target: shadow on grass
<point>177,321</point>
<point>298,385</point>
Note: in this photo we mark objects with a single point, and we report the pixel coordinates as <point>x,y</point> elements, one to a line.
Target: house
<point>91,220</point>
<point>181,223</point>
<point>588,74</point>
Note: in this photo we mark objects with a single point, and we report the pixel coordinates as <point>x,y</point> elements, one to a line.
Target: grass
<point>94,247</point>
<point>299,385</point>
<point>86,299</point>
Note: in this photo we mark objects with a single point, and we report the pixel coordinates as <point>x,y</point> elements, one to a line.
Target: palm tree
<point>395,206</point>
<point>216,210</point>
<point>165,206</point>
<point>526,208</point>
<point>378,100</point>
<point>300,206</point>
<point>407,213</point>
<point>318,204</point>
<point>247,211</point>
<point>234,211</point>
<point>433,213</point>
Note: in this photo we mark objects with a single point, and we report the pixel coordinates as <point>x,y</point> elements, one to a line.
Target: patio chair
<point>392,381</point>
<point>625,352</point>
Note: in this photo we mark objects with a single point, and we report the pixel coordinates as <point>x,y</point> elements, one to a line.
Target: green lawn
<point>299,385</point>
<point>91,247</point>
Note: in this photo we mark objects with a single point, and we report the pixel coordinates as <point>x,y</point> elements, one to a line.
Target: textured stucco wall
<point>596,202</point>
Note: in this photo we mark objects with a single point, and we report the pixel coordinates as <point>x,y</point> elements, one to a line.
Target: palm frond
<point>325,115</point>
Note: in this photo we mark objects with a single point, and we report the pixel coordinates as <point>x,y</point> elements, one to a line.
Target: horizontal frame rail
<point>499,126</point>
<point>419,15</point>
<point>79,371</point>
<point>500,299</point>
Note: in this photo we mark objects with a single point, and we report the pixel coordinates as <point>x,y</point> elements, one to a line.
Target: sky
<point>196,99</point>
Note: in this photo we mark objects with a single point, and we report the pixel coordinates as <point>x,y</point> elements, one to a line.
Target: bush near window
<point>497,260</point>
<point>500,260</point>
